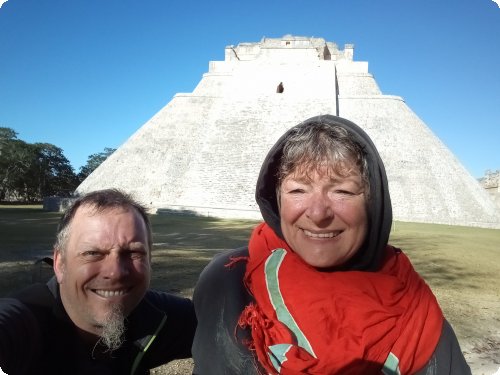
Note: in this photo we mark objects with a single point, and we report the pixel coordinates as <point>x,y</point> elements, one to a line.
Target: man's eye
<point>296,191</point>
<point>137,254</point>
<point>91,254</point>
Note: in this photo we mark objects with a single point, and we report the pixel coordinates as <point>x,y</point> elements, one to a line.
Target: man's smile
<point>106,293</point>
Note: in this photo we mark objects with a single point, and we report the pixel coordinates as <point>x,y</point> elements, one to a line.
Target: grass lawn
<point>461,264</point>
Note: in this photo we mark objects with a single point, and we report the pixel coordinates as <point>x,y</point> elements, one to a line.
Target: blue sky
<point>85,75</point>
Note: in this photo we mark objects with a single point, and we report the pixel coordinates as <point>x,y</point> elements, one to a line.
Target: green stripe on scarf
<point>391,365</point>
<point>272,266</point>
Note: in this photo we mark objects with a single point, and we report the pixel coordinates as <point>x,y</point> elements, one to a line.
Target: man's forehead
<point>89,209</point>
<point>88,212</point>
<point>88,216</point>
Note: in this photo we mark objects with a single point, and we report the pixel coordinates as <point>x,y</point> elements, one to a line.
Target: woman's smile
<point>311,234</point>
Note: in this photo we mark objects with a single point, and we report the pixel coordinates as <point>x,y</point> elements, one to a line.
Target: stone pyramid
<point>202,152</point>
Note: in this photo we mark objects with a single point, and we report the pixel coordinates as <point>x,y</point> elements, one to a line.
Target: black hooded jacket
<point>370,256</point>
<point>220,295</point>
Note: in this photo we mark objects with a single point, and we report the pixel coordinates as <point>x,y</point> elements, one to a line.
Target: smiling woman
<point>319,290</point>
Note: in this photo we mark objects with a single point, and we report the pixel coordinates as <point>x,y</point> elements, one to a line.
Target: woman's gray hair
<point>310,148</point>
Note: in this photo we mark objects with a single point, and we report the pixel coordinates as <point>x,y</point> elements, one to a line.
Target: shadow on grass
<point>26,233</point>
<point>177,271</point>
<point>427,253</point>
<point>183,245</point>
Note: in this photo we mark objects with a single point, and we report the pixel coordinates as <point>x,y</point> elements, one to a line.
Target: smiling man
<point>97,315</point>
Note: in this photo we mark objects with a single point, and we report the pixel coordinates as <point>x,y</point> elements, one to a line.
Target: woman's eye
<point>344,192</point>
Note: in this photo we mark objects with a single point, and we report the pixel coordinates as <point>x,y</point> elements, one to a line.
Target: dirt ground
<point>476,320</point>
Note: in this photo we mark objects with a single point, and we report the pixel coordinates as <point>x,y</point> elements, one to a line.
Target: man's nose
<point>115,266</point>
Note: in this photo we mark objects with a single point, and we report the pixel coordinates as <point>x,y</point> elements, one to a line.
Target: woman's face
<point>323,216</point>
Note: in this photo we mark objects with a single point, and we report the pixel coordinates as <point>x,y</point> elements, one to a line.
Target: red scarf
<point>310,322</point>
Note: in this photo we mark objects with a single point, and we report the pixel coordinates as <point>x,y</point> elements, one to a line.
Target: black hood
<point>370,256</point>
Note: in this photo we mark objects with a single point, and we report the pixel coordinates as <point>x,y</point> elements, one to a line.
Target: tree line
<point>31,171</point>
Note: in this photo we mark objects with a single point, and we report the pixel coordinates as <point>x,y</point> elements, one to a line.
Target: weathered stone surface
<point>202,152</point>
<point>491,183</point>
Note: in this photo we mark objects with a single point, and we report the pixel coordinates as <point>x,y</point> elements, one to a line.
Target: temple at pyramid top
<point>202,152</point>
<point>272,49</point>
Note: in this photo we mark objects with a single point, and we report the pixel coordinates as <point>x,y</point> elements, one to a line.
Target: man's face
<point>106,262</point>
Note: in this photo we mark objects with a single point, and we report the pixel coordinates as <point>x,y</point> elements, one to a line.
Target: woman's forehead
<point>334,170</point>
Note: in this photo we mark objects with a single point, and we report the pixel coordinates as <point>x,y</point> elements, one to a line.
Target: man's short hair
<point>100,200</point>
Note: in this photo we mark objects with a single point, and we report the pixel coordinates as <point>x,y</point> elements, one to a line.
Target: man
<point>97,315</point>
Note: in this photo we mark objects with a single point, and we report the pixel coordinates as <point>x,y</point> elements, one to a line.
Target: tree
<point>15,161</point>
<point>52,172</point>
<point>29,172</point>
<point>93,161</point>
<point>7,134</point>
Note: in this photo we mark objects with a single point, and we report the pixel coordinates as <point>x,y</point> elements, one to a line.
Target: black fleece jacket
<point>38,337</point>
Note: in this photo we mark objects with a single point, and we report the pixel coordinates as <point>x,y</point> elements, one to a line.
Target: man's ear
<point>58,265</point>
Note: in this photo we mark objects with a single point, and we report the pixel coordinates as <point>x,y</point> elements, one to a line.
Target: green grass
<point>461,265</point>
<point>445,254</point>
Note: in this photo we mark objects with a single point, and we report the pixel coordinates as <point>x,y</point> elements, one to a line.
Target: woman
<point>319,290</point>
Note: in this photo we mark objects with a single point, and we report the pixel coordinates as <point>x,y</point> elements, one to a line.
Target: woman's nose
<point>319,209</point>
